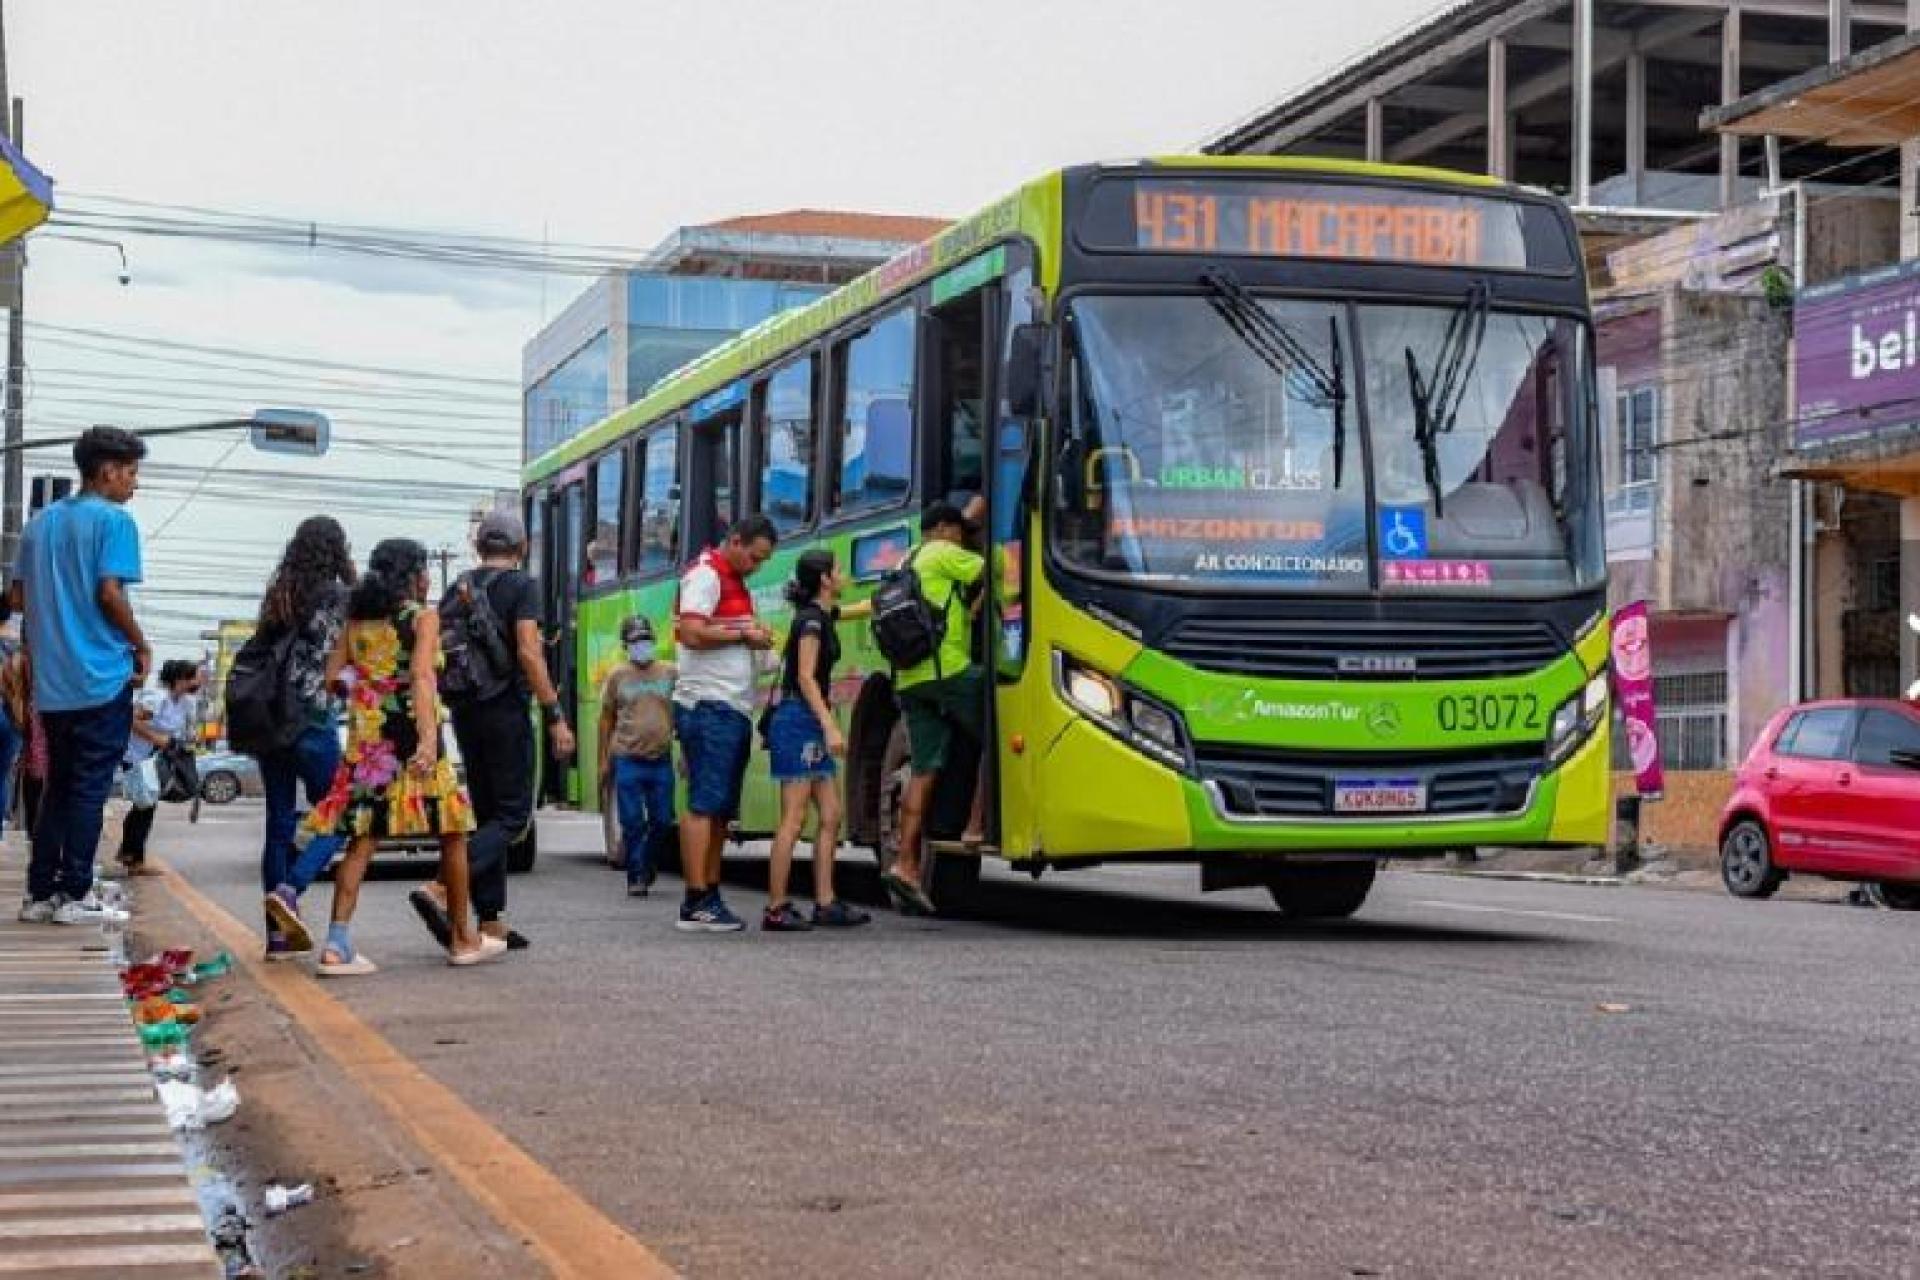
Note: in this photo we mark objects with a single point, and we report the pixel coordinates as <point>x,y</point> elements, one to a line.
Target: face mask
<point>641,654</point>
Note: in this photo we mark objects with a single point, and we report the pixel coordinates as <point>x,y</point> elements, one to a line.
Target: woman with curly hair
<point>394,780</point>
<point>307,596</point>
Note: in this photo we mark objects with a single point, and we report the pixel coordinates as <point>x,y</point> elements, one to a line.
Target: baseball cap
<point>501,530</point>
<point>636,631</point>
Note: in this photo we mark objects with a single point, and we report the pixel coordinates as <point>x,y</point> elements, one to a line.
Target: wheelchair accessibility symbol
<point>1403,533</point>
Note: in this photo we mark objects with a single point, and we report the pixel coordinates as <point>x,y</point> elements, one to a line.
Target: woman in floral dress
<point>393,780</point>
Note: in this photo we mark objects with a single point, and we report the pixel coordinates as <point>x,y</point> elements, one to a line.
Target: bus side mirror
<point>1026,369</point>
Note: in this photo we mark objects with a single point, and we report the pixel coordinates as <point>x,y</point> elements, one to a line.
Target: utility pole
<point>13,263</point>
<point>445,556</point>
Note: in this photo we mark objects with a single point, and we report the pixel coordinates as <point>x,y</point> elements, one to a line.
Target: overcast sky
<point>575,120</point>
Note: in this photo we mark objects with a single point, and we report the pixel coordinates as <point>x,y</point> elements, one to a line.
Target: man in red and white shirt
<point>717,635</point>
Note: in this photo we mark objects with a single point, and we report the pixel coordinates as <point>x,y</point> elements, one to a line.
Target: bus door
<point>566,556</point>
<point>956,339</point>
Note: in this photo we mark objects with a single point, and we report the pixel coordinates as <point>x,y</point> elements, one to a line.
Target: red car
<point>1830,789</point>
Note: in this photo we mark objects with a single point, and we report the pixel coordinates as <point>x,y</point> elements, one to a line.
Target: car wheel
<point>522,853</point>
<point>220,787</point>
<point>1900,895</point>
<point>1746,861</point>
<point>1332,891</point>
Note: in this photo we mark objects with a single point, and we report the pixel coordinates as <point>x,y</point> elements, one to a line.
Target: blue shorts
<point>715,743</point>
<point>798,744</point>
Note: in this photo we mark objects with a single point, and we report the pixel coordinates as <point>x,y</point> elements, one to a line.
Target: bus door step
<point>954,849</point>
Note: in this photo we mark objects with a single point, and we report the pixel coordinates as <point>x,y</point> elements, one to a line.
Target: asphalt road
<point>1108,1075</point>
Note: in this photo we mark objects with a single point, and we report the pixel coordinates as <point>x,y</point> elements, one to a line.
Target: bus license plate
<point>1379,795</point>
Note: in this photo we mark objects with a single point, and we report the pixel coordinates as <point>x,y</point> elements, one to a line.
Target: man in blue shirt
<point>77,558</point>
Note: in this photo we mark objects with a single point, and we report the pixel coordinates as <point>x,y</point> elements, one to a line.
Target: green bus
<point>1295,517</point>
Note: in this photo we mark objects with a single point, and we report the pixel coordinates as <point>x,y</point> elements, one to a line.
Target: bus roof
<point>1031,210</point>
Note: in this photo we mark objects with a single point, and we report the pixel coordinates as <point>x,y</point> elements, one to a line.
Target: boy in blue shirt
<point>77,558</point>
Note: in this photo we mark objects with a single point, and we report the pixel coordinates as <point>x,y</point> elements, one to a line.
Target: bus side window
<point>875,426</point>
<point>660,502</point>
<point>603,543</point>
<point>784,446</point>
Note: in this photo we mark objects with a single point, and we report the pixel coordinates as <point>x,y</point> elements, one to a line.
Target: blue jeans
<point>11,740</point>
<point>308,764</point>
<point>716,742</point>
<point>644,789</point>
<point>83,754</point>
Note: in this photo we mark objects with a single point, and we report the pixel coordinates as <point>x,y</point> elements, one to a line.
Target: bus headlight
<point>1146,724</point>
<point>1096,695</point>
<point>1575,719</point>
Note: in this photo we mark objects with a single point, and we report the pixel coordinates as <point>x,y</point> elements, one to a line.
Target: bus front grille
<point>1371,649</point>
<point>1259,782</point>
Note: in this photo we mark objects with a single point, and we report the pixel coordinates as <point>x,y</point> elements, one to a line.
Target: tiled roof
<point>834,224</point>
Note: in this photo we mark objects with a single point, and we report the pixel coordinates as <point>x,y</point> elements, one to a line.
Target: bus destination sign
<point>1347,222</point>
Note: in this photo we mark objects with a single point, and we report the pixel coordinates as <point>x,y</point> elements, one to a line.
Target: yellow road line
<point>570,1236</point>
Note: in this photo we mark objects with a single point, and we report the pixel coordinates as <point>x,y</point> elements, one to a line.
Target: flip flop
<point>432,915</point>
<point>908,897</point>
<point>289,923</point>
<point>353,968</point>
<point>489,949</point>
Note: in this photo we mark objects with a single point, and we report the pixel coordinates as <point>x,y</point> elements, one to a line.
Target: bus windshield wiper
<point>1436,402</point>
<point>1284,353</point>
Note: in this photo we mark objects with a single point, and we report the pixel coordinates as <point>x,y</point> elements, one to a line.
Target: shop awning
<point>1871,99</point>
<point>26,194</point>
<point>1887,462</point>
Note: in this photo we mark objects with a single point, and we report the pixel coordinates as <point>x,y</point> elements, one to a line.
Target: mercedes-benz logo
<point>1383,719</point>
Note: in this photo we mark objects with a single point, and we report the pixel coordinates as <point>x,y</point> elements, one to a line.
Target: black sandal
<point>432,915</point>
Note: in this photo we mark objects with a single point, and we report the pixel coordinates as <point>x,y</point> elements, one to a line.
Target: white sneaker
<point>87,910</point>
<point>36,911</point>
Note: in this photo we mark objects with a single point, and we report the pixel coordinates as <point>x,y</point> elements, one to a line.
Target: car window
<point>1818,735</point>
<point>1881,734</point>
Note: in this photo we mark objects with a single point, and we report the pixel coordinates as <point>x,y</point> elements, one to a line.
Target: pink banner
<point>1633,689</point>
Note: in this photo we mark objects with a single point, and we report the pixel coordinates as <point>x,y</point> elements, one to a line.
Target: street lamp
<point>126,272</point>
<point>297,431</point>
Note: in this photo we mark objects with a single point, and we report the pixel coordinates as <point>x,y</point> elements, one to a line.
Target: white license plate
<point>1379,795</point>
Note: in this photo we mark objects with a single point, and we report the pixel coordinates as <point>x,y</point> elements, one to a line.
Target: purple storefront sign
<point>1857,356</point>
<point>1633,690</point>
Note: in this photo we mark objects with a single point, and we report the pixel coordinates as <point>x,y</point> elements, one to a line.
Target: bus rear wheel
<point>1325,891</point>
<point>948,878</point>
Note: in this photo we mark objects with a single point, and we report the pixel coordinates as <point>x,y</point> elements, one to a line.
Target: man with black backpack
<point>495,662</point>
<point>941,695</point>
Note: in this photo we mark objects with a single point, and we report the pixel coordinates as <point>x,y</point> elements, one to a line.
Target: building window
<point>786,448</point>
<point>569,398</point>
<point>660,502</point>
<point>1690,719</point>
<point>1883,584</point>
<point>876,417</point>
<point>1637,436</point>
<point>603,544</point>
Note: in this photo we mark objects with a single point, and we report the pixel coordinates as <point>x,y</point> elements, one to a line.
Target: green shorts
<point>936,710</point>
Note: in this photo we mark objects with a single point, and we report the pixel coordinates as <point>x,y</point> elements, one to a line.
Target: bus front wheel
<point>1326,891</point>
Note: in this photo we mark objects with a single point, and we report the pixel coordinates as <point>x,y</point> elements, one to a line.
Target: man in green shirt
<point>943,697</point>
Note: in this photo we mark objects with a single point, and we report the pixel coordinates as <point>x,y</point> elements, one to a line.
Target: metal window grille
<point>1690,719</point>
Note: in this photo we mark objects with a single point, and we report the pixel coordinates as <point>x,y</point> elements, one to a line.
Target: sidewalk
<point>92,1180</point>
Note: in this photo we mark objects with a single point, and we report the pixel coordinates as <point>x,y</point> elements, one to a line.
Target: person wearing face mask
<point>636,750</point>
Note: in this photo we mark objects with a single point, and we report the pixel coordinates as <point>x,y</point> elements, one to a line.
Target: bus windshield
<point>1220,438</point>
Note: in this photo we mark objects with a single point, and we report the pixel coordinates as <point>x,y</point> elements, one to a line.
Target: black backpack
<point>907,629</point>
<point>479,658</point>
<point>264,711</point>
